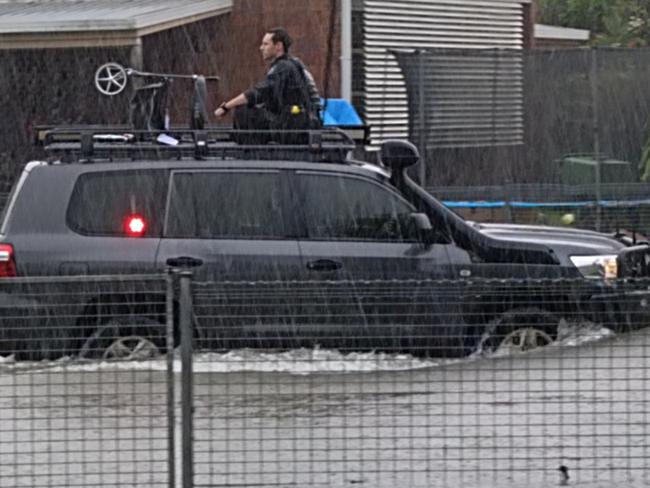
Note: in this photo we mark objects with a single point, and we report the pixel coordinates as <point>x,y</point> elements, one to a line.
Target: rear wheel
<point>125,338</point>
<point>521,330</point>
<point>131,347</point>
<point>525,339</point>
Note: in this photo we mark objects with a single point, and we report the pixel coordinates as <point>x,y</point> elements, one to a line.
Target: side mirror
<point>398,155</point>
<point>423,227</point>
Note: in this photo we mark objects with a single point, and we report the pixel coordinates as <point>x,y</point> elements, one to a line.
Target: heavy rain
<point>328,242</point>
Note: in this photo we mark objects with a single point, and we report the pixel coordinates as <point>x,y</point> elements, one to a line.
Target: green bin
<point>581,170</point>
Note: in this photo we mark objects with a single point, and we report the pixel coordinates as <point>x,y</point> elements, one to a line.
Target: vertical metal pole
<point>596,131</point>
<point>187,406</point>
<point>422,121</point>
<point>346,50</point>
<point>171,417</point>
<point>136,58</point>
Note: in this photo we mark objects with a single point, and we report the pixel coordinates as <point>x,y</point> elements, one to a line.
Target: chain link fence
<point>505,133</point>
<point>623,208</point>
<point>68,416</point>
<point>161,381</point>
<point>552,132</point>
<point>486,116</point>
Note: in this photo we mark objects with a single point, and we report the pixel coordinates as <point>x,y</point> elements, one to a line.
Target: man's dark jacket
<point>287,84</point>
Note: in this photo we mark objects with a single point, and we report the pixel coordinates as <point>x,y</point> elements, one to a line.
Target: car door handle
<point>324,265</point>
<point>184,262</point>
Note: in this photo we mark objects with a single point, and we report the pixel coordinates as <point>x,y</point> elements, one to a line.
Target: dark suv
<point>115,203</point>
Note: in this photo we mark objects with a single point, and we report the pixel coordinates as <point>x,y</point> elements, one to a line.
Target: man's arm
<point>226,107</point>
<point>263,92</point>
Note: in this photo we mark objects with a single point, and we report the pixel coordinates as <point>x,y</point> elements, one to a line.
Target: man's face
<point>269,49</point>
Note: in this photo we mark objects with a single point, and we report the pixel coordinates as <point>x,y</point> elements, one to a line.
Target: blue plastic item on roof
<point>340,112</point>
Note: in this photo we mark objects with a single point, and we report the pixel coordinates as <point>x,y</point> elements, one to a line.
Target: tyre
<point>125,338</point>
<point>520,330</point>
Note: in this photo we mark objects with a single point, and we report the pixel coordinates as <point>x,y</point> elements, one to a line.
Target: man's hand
<point>221,110</point>
<point>226,107</point>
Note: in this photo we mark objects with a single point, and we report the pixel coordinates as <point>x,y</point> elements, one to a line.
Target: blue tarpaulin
<point>340,112</point>
<point>501,203</point>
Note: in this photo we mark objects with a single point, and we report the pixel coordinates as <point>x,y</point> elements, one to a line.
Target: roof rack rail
<point>88,143</point>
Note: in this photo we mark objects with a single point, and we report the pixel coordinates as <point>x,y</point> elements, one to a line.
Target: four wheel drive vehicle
<point>321,234</point>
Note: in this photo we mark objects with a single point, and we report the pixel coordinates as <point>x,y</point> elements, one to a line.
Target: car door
<point>232,226</point>
<point>361,231</point>
<point>353,227</point>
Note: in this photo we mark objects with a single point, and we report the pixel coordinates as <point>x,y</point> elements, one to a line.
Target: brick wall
<point>228,46</point>
<point>307,21</point>
<point>53,86</point>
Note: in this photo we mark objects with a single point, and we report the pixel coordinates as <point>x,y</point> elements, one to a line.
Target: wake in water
<point>297,361</point>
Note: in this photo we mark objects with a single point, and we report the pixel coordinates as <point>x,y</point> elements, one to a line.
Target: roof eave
<point>97,35</point>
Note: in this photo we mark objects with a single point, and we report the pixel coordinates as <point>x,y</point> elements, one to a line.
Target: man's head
<point>275,43</point>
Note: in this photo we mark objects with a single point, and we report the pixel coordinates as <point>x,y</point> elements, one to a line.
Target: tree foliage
<point>611,22</point>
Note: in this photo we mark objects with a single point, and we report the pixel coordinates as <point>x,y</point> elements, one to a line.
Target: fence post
<point>422,121</point>
<point>187,406</point>
<point>596,132</point>
<point>169,344</point>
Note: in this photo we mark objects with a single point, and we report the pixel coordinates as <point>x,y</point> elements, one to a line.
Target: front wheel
<point>520,330</point>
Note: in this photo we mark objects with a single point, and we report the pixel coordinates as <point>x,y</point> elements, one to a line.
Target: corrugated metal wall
<point>461,90</point>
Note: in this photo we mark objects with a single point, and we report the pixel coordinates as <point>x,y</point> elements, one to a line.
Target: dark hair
<point>279,34</point>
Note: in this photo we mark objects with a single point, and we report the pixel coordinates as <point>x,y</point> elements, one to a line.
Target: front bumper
<point>623,306</point>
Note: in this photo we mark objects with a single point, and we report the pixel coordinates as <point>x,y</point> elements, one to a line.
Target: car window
<point>102,203</point>
<point>227,204</point>
<point>343,207</point>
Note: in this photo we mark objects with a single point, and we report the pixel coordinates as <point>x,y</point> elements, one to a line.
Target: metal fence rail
<point>376,383</point>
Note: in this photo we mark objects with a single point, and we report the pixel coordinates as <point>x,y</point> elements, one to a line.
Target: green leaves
<point>612,22</point>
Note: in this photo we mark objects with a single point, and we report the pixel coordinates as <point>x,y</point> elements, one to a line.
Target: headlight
<point>603,266</point>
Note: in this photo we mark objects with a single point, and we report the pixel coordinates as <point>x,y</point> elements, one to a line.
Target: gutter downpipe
<point>346,50</point>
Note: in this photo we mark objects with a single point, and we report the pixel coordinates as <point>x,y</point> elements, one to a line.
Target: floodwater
<point>319,417</point>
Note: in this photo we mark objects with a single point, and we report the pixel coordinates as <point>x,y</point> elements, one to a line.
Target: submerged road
<point>321,418</point>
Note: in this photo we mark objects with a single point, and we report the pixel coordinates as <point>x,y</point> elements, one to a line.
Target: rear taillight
<point>7,261</point>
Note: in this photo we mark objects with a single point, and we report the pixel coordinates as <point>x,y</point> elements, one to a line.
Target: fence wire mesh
<point>621,207</point>
<point>477,383</point>
<point>413,394</point>
<point>508,116</point>
<point>70,414</point>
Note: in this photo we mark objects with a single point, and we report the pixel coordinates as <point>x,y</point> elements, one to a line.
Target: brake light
<point>135,226</point>
<point>7,261</point>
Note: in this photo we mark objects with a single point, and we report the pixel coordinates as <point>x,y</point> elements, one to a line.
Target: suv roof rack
<point>88,143</point>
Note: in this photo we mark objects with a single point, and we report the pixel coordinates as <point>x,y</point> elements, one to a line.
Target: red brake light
<point>7,261</point>
<point>135,226</point>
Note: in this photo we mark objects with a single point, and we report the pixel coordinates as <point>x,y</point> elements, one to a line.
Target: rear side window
<point>103,203</point>
<point>227,205</point>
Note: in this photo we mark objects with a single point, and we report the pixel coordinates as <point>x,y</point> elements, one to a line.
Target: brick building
<point>49,52</point>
